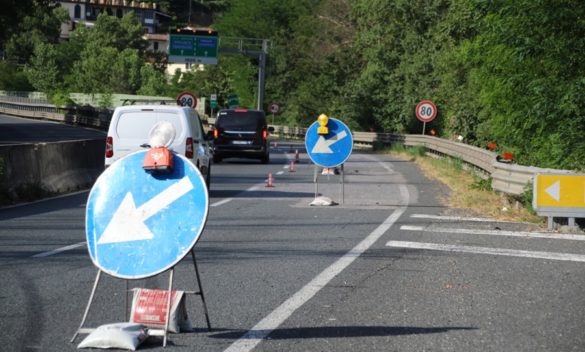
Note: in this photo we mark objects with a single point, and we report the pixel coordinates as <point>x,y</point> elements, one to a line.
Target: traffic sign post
<point>213,103</point>
<point>140,224</point>
<point>426,111</point>
<point>559,195</point>
<point>329,150</point>
<point>187,99</point>
<point>274,109</point>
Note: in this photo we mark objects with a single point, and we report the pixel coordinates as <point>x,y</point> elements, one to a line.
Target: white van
<point>130,127</point>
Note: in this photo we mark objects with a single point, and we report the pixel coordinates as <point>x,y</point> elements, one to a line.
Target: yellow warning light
<point>323,120</point>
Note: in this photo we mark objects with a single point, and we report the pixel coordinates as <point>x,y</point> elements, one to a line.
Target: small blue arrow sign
<point>332,149</point>
<point>140,224</point>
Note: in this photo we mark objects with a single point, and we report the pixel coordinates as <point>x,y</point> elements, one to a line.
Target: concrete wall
<point>49,168</point>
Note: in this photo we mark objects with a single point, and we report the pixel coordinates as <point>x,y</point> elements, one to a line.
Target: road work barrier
<point>507,178</point>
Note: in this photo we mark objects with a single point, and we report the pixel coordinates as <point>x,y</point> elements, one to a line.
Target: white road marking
<point>221,202</point>
<point>490,251</point>
<point>453,218</point>
<point>263,328</point>
<point>58,250</point>
<point>280,172</point>
<point>555,236</point>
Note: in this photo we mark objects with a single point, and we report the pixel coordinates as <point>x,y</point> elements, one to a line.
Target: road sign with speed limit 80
<point>426,111</point>
<point>187,99</point>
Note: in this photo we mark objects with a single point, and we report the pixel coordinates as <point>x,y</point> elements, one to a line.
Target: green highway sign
<point>233,101</point>
<point>197,47</point>
<point>213,101</point>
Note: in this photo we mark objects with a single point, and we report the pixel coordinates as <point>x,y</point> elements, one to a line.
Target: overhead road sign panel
<point>140,224</point>
<point>193,46</point>
<point>331,149</point>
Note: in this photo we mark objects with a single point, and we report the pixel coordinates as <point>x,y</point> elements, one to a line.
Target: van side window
<point>197,132</point>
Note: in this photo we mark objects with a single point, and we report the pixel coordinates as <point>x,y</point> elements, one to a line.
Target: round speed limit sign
<point>187,99</point>
<point>426,111</point>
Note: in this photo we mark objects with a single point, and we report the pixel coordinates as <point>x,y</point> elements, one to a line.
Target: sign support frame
<point>154,332</point>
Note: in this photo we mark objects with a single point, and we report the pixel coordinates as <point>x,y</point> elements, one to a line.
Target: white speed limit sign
<point>274,108</point>
<point>426,111</point>
<point>187,99</point>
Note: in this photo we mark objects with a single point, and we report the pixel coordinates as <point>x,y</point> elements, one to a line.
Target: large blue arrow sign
<point>140,224</point>
<point>332,149</point>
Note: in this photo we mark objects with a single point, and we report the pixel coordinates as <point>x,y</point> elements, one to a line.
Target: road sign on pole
<point>331,149</point>
<point>187,99</point>
<point>140,224</point>
<point>426,111</point>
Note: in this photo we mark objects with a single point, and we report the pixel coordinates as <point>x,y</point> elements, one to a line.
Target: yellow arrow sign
<point>566,191</point>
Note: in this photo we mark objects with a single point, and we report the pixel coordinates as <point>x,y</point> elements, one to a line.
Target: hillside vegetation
<point>504,72</point>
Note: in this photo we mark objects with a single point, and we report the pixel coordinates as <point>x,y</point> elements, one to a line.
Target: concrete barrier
<point>49,168</point>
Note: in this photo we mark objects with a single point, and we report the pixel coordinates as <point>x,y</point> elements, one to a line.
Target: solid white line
<point>453,218</point>
<point>58,250</point>
<point>261,330</point>
<point>555,236</point>
<point>491,251</point>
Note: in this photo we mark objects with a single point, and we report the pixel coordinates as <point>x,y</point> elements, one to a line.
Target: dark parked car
<point>241,133</point>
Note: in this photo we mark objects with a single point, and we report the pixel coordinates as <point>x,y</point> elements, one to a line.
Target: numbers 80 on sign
<point>426,111</point>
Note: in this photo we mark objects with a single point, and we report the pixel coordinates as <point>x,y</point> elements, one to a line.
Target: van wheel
<point>265,159</point>
<point>217,159</point>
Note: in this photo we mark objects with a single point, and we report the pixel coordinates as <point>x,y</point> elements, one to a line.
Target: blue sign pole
<point>140,224</point>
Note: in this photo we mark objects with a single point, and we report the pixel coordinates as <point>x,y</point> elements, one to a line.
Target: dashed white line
<point>58,250</point>
<point>489,251</point>
<point>559,236</point>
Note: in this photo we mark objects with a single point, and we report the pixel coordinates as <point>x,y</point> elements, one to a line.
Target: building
<point>86,12</point>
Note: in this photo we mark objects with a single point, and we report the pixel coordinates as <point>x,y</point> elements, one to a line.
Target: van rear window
<point>241,120</point>
<point>137,125</point>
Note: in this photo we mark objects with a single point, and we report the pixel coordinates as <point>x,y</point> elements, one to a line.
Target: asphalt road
<point>384,271</point>
<point>16,130</point>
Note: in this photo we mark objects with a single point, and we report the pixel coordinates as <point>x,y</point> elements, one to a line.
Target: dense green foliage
<point>509,72</point>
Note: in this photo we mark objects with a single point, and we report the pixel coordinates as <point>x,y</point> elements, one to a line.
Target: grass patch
<point>472,193</point>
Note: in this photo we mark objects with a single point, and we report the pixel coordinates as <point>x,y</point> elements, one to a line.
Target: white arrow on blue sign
<point>140,224</point>
<point>332,149</point>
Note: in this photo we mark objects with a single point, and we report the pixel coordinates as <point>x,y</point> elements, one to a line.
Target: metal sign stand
<point>152,332</point>
<point>341,183</point>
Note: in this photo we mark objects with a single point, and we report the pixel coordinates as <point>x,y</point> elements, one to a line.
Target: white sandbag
<point>118,335</point>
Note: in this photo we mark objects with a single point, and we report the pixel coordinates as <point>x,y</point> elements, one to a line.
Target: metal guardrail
<point>507,178</point>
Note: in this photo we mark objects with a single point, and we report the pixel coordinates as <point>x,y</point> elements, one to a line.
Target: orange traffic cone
<point>270,180</point>
<point>292,166</point>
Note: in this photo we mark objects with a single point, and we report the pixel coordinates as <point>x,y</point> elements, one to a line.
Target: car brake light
<point>215,133</point>
<point>241,110</point>
<point>109,147</point>
<point>189,148</point>
<point>265,134</point>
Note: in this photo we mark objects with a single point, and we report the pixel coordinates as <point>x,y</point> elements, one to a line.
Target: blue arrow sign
<point>332,149</point>
<point>140,224</point>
